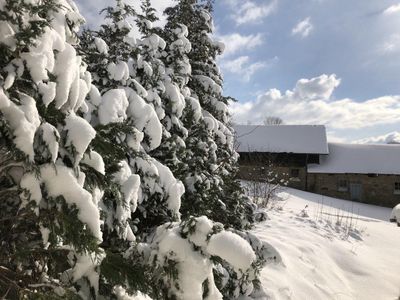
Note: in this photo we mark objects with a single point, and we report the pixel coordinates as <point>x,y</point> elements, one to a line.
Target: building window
<point>397,188</point>
<point>294,173</point>
<point>343,185</point>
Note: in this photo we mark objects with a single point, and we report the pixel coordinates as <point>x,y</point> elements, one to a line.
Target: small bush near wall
<point>264,193</point>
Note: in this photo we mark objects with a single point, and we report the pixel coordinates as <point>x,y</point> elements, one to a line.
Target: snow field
<point>323,258</point>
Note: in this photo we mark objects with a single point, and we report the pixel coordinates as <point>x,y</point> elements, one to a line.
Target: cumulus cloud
<point>242,66</point>
<point>320,87</point>
<point>246,11</point>
<point>237,42</point>
<point>389,138</point>
<point>311,102</point>
<point>303,28</point>
<point>392,9</point>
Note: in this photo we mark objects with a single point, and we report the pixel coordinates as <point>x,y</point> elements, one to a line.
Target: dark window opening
<point>313,159</point>
<point>397,188</point>
<point>343,185</point>
<point>295,173</point>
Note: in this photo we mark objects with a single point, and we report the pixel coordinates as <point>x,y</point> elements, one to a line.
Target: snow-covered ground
<point>334,249</point>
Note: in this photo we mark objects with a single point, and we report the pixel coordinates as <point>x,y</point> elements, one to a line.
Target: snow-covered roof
<point>309,139</point>
<point>360,159</point>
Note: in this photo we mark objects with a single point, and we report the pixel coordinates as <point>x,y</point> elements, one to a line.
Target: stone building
<point>364,173</point>
<point>285,149</point>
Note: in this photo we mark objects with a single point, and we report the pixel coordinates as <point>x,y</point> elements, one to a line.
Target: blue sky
<point>345,38</point>
<point>332,62</point>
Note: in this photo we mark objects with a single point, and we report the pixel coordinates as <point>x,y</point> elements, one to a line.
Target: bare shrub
<point>263,181</point>
<point>264,190</point>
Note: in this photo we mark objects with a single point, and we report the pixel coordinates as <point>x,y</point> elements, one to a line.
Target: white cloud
<point>389,138</point>
<point>333,138</point>
<point>303,28</point>
<point>237,42</point>
<point>246,11</point>
<point>391,45</point>
<point>311,102</point>
<point>392,9</point>
<point>320,87</point>
<point>242,66</point>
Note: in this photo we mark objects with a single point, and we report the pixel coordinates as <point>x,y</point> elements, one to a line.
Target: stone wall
<point>260,173</point>
<point>375,189</point>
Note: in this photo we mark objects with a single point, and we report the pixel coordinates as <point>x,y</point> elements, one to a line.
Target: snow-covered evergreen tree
<point>162,94</point>
<point>211,185</point>
<point>129,129</point>
<point>107,110</point>
<point>159,250</point>
<point>199,159</point>
<point>50,221</point>
<point>150,68</point>
<point>112,103</point>
<point>116,73</point>
<point>188,252</point>
<point>211,160</point>
<point>164,91</point>
<point>207,86</point>
<point>91,145</point>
